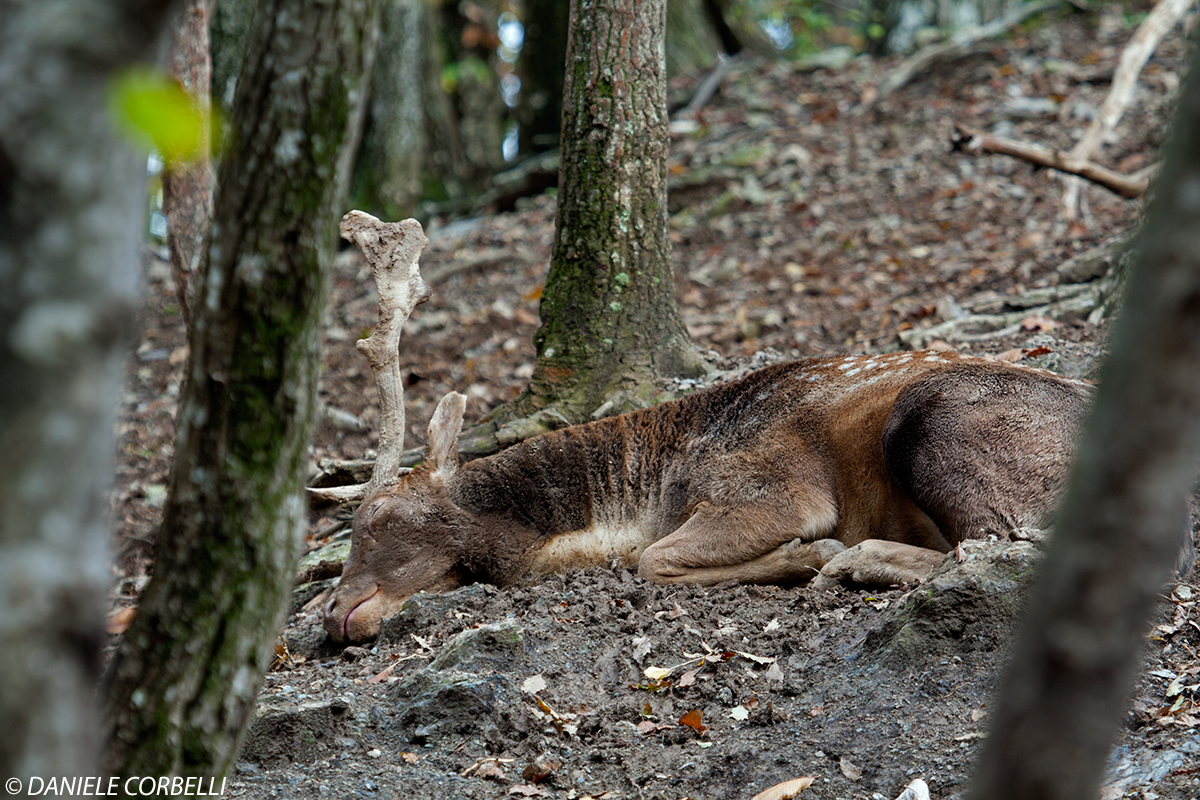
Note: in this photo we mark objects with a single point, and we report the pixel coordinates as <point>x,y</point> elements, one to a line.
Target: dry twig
<point>968,140</point>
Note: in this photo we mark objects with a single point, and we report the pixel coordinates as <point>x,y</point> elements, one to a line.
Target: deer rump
<point>866,468</point>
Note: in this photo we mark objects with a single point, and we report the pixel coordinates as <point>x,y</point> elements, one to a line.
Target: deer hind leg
<point>753,543</point>
<point>984,452</point>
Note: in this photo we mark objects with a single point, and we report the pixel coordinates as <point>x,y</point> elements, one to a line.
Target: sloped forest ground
<point>799,228</point>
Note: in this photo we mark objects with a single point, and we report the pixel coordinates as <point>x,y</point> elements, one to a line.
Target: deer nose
<point>330,606</point>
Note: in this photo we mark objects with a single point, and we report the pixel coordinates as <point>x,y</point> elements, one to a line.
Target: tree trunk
<point>692,43</point>
<point>610,325</point>
<point>543,54</point>
<point>72,199</point>
<point>1078,651</point>
<point>185,679</point>
<point>187,188</point>
<point>905,20</point>
<point>388,177</point>
<point>228,32</point>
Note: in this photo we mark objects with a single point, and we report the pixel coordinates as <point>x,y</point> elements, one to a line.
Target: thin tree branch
<point>968,140</point>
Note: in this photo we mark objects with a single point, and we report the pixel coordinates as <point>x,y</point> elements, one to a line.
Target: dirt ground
<point>799,228</point>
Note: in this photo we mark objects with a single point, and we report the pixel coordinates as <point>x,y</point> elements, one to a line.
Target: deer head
<point>407,537</point>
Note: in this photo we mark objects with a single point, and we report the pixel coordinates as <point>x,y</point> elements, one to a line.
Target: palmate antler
<point>392,249</point>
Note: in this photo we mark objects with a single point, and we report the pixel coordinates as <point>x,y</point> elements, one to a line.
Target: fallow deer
<point>767,479</point>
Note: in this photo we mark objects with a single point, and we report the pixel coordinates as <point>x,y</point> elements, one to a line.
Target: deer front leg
<point>748,544</point>
<point>876,562</point>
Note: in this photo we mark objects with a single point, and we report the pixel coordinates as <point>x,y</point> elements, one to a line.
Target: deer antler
<point>392,249</point>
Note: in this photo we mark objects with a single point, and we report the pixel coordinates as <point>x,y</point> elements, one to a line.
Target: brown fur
<point>745,481</point>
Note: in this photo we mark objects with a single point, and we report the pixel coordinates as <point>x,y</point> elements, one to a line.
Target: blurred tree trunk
<point>692,42</point>
<point>188,188</point>
<point>907,22</point>
<point>1078,651</point>
<point>228,32</point>
<point>389,174</point>
<point>541,66</point>
<point>185,680</point>
<point>610,325</point>
<point>72,200</point>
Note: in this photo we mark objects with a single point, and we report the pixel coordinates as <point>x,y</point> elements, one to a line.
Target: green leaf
<point>155,111</point>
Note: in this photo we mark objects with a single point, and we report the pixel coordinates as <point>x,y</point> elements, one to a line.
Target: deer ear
<point>441,444</point>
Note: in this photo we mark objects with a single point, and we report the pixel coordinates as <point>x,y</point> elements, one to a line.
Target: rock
<point>445,698</point>
<point>424,610</point>
<point>498,645</point>
<point>285,731</point>
<point>963,608</point>
<point>438,703</point>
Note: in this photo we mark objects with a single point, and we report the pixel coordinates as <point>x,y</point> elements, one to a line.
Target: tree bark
<point>610,325</point>
<point>1078,651</point>
<point>72,199</point>
<point>185,680</point>
<point>188,188</point>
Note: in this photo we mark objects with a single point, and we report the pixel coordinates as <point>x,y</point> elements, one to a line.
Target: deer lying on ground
<point>763,480</point>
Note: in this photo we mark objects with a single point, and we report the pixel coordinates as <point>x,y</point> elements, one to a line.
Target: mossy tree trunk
<point>1077,655</point>
<point>185,680</point>
<point>610,328</point>
<point>72,202</point>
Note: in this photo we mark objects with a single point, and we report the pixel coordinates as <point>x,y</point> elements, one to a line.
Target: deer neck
<point>574,497</point>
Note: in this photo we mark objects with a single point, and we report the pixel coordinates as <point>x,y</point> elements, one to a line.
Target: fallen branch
<point>392,249</point>
<point>967,140</point>
<point>959,44</point>
<point>1137,52</point>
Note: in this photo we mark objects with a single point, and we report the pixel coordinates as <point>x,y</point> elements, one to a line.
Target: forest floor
<point>800,227</point>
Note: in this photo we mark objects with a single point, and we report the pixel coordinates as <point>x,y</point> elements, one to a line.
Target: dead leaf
<point>850,769</point>
<point>692,720</point>
<point>527,790</point>
<point>786,790</point>
<point>383,674</point>
<point>1012,356</point>
<point>491,770</point>
<point>409,758</point>
<point>533,684</point>
<point>641,648</point>
<point>977,714</point>
<point>538,770</point>
<point>656,673</point>
<point>739,712</point>
<point>774,673</point>
<point>773,625</point>
<point>119,620</point>
<point>758,659</point>
<point>687,679</point>
<point>1039,324</point>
